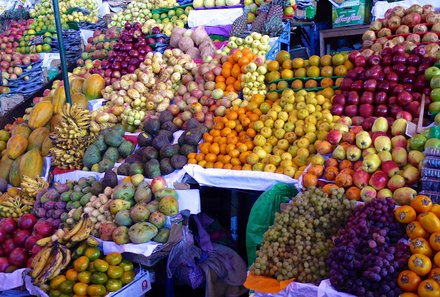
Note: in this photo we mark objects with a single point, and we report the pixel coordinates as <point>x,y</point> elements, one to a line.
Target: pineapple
<point>277,9</point>
<point>240,24</point>
<point>273,27</point>
<point>258,23</point>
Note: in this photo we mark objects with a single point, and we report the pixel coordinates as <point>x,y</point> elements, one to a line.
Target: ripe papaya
<point>5,166</point>
<point>40,115</point>
<point>16,146</point>
<point>80,100</point>
<point>45,148</point>
<point>31,164</point>
<point>37,137</point>
<point>58,100</point>
<point>23,130</point>
<point>14,173</point>
<point>93,85</point>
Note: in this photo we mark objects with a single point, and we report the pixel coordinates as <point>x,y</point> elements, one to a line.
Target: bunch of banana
<point>14,206</point>
<point>49,262</point>
<point>30,187</point>
<point>78,233</point>
<point>71,137</point>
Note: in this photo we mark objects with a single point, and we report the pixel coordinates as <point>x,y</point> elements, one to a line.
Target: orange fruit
<point>286,73</point>
<point>287,64</point>
<point>313,71</point>
<point>273,66</point>
<point>300,72</point>
<point>309,180</point>
<point>326,82</point>
<point>314,60</point>
<point>328,188</point>
<point>338,81</point>
<point>243,61</point>
<point>353,193</point>
<point>338,59</point>
<point>311,84</point>
<point>282,56</point>
<point>327,71</point>
<point>297,84</point>
<point>328,92</point>
<point>340,70</point>
<point>281,85</point>
<point>326,60</point>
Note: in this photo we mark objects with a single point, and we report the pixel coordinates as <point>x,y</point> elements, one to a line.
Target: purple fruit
<point>40,212</point>
<point>50,205</point>
<point>60,205</point>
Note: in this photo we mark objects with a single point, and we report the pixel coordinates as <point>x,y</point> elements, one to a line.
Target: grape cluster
<point>368,252</point>
<point>297,244</point>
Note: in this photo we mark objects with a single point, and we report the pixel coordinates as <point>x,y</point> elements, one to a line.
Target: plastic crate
<point>431,162</point>
<point>431,184</point>
<point>283,42</point>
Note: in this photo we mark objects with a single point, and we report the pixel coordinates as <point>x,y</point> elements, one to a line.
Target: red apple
<point>334,136</point>
<point>399,141</point>
<point>378,180</point>
<point>380,98</point>
<point>20,237</point>
<point>157,184</point>
<point>366,98</point>
<point>18,257</point>
<point>366,110</point>
<point>404,115</point>
<point>351,110</point>
<point>27,221</point>
<point>43,228</point>
<point>9,225</point>
<point>390,168</point>
<point>361,178</point>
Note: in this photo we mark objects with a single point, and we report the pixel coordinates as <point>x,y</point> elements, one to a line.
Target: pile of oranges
<point>230,142</point>
<point>285,68</point>
<point>232,70</point>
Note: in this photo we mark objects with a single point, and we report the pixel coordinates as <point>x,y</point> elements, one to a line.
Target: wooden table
<point>324,48</point>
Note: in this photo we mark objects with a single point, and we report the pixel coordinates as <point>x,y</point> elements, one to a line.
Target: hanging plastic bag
<point>263,215</point>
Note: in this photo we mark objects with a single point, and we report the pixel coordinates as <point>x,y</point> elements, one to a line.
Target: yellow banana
<point>39,261</point>
<point>46,241</point>
<point>68,235</point>
<point>56,257</point>
<point>84,232</point>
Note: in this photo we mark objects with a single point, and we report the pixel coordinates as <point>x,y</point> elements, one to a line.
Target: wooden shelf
<point>324,48</point>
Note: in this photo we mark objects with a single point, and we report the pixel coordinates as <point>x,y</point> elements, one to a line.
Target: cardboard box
<point>138,287</point>
<point>351,12</point>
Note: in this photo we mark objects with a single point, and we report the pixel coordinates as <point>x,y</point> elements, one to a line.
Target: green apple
<point>435,94</point>
<point>431,72</point>
<point>434,107</point>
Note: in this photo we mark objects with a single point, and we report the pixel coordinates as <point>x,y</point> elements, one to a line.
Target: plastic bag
<point>263,215</point>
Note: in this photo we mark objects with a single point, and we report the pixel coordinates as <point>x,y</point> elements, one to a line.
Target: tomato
<point>408,281</point>
<point>80,289</point>
<point>96,290</point>
<point>437,259</point>
<point>67,287</point>
<point>54,293</point>
<point>115,271</point>
<point>420,264</point>
<point>435,274</point>
<point>415,230</point>
<point>72,275</point>
<point>436,210</point>
<point>98,278</point>
<point>421,203</point>
<point>92,253</point>
<point>84,277</point>
<point>420,246</point>
<point>430,222</point>
<point>113,285</point>
<point>429,288</point>
<point>80,250</point>
<point>405,214</point>
<point>57,281</point>
<point>100,265</point>
<point>126,265</point>
<point>113,258</point>
<point>91,267</point>
<point>81,264</point>
<point>434,241</point>
<point>127,277</point>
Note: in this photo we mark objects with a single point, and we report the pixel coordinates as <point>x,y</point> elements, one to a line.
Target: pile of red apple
<point>387,85</point>
<point>11,65</point>
<point>408,27</point>
<point>99,45</point>
<point>18,241</point>
<point>126,55</point>
<point>10,38</point>
<point>380,163</point>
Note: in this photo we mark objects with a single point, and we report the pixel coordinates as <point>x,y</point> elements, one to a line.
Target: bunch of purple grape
<point>369,252</point>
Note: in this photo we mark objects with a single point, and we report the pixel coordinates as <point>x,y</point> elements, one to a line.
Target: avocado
<point>169,126</point>
<point>126,148</point>
<point>178,161</point>
<point>169,150</point>
<point>152,168</point>
<point>159,141</point>
<point>165,116</point>
<point>193,136</point>
<point>118,129</point>
<point>111,154</point>
<point>167,133</point>
<point>110,179</point>
<point>105,165</point>
<point>144,139</point>
<point>136,168</point>
<point>181,139</point>
<point>162,236</point>
<point>100,143</point>
<point>133,158</point>
<point>187,149</point>
<point>91,156</point>
<point>124,169</point>
<point>165,166</point>
<point>96,188</point>
<point>113,139</point>
<point>149,153</point>
<point>85,199</point>
<point>192,123</point>
<point>152,126</point>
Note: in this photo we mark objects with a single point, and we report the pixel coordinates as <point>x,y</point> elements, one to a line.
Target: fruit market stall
<point>93,173</point>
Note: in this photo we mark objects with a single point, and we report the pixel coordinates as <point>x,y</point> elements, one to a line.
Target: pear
<point>398,127</point>
<point>382,143</point>
<point>353,153</point>
<point>339,153</point>
<point>380,125</point>
<point>371,163</point>
<point>363,140</point>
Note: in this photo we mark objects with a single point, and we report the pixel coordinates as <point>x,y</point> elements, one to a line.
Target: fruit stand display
<point>153,101</point>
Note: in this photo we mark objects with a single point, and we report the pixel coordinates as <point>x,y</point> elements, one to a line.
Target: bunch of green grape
<point>297,244</point>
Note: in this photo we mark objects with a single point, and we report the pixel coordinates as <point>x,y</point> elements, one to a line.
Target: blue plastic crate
<point>283,42</point>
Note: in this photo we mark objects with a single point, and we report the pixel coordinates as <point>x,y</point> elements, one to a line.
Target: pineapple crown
<point>273,27</point>
<point>283,3</point>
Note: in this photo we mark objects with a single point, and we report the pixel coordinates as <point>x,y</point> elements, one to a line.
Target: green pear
<point>380,125</point>
<point>363,140</point>
<point>398,127</point>
<point>339,153</point>
<point>371,163</point>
